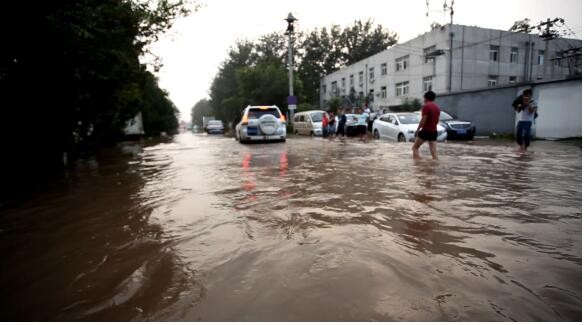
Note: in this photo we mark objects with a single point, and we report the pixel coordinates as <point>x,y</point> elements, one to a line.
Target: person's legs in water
<point>527,135</point>
<point>416,147</point>
<point>523,135</point>
<point>433,150</point>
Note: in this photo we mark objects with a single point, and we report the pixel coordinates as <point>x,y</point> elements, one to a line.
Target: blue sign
<point>292,100</point>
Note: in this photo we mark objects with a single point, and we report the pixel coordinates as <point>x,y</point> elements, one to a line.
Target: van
<point>308,123</point>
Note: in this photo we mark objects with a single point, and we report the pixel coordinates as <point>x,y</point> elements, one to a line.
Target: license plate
<point>461,131</point>
<point>252,131</point>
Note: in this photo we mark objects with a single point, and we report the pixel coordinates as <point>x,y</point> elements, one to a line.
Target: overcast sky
<point>196,45</point>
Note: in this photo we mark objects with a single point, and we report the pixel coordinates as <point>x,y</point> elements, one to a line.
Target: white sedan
<point>400,127</point>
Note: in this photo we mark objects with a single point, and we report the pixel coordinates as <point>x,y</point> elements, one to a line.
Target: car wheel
<point>376,134</point>
<point>401,138</point>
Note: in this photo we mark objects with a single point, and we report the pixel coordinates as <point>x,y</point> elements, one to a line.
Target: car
<point>261,123</point>
<point>215,127</point>
<point>350,126</point>
<point>457,129</point>
<point>308,123</point>
<point>400,127</point>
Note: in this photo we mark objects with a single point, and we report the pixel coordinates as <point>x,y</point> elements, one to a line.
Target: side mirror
<point>395,122</point>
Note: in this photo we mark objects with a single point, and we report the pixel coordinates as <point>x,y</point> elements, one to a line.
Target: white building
<point>480,58</point>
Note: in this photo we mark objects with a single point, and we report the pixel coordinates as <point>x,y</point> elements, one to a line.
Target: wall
<point>560,108</point>
<point>489,109</point>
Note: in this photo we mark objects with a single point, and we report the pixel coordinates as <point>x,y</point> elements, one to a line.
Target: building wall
<point>559,121</point>
<point>471,64</point>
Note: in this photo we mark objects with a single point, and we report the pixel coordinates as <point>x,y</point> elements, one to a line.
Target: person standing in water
<point>342,122</point>
<point>526,109</point>
<point>325,125</point>
<point>428,127</point>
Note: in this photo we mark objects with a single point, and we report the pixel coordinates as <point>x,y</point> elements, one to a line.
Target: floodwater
<point>203,228</point>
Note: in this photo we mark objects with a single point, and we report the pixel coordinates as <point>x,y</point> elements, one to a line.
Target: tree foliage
<point>255,71</point>
<point>521,26</point>
<point>202,108</point>
<point>71,76</point>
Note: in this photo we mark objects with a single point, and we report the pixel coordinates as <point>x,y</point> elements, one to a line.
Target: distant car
<point>308,123</point>
<point>215,127</point>
<point>400,127</point>
<point>457,129</point>
<point>261,123</point>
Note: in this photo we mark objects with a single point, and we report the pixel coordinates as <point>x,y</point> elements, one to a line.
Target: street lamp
<point>291,98</point>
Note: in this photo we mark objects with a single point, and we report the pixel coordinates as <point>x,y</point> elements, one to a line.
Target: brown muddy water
<point>203,228</point>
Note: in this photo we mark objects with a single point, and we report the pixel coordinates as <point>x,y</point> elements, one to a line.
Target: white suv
<point>261,123</point>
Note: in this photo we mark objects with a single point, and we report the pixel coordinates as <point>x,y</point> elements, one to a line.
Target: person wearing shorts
<point>362,124</point>
<point>428,127</point>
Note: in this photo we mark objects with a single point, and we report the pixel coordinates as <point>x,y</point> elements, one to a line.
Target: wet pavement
<point>203,228</point>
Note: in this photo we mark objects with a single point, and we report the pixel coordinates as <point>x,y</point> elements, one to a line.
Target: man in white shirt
<point>526,109</point>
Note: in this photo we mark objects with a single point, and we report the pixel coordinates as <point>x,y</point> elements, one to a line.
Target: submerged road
<point>203,228</point>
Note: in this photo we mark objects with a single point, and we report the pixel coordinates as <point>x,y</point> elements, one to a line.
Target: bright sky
<point>196,45</point>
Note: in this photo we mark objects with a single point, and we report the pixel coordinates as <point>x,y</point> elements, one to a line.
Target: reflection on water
<point>202,228</point>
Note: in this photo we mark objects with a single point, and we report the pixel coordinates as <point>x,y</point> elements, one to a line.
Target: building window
<point>383,92</point>
<point>427,83</point>
<point>351,81</point>
<point>494,53</point>
<point>384,69</point>
<point>558,60</point>
<point>361,78</point>
<point>402,88</point>
<point>512,80</point>
<point>540,57</point>
<point>324,89</point>
<point>372,74</point>
<point>343,85</point>
<point>402,63</point>
<point>492,81</point>
<point>334,88</point>
<point>427,52</point>
<point>514,55</point>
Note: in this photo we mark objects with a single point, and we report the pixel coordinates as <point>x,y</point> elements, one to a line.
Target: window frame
<point>425,82</point>
<point>492,81</point>
<point>514,56</point>
<point>494,53</point>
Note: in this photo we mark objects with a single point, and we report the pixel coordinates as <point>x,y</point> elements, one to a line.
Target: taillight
<point>282,118</point>
<point>244,120</point>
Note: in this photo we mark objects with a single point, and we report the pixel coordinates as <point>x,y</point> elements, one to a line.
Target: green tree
<point>72,69</point>
<point>363,39</point>
<point>225,85</point>
<point>334,104</point>
<point>521,26</point>
<point>202,108</point>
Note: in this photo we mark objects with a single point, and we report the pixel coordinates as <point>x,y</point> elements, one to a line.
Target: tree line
<point>255,72</point>
<point>71,76</point>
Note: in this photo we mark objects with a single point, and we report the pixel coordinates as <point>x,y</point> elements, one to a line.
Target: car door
<point>393,128</point>
<point>383,127</point>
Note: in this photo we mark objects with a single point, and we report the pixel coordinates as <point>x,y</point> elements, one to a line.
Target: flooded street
<point>203,228</point>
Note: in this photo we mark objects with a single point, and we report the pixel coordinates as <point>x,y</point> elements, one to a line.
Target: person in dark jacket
<point>341,126</point>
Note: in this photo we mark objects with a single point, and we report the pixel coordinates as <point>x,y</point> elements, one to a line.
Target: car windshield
<point>257,113</point>
<point>445,116</point>
<point>409,119</point>
<point>316,117</point>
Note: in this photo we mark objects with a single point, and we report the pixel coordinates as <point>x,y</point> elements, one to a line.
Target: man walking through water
<point>428,127</point>
<point>526,107</point>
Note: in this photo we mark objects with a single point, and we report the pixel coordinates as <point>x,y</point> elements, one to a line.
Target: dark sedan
<point>457,129</point>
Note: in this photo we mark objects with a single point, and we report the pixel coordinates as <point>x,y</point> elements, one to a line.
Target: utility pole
<point>451,34</point>
<point>291,98</point>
